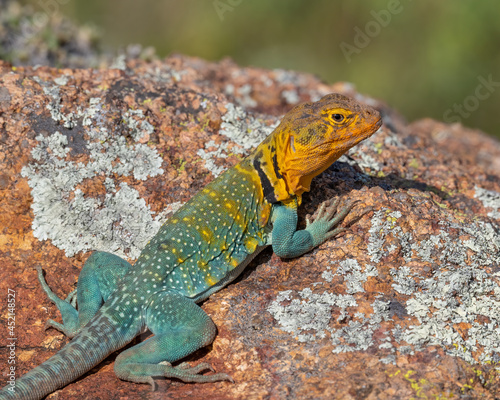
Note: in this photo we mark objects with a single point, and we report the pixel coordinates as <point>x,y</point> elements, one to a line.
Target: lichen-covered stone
<point>405,304</point>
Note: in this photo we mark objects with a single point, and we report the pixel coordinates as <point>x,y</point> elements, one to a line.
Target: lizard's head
<point>330,126</point>
<point>310,138</point>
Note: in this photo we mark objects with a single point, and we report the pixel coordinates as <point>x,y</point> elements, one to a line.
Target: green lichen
<point>414,163</point>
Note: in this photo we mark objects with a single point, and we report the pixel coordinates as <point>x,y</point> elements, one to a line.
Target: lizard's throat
<point>299,171</point>
<point>283,173</point>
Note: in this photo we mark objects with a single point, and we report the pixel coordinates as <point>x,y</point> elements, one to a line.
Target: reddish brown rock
<point>405,304</point>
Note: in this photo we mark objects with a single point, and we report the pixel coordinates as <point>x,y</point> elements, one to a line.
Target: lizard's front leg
<point>97,280</point>
<point>289,242</point>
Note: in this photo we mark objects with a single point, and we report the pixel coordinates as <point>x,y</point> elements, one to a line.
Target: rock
<point>405,304</point>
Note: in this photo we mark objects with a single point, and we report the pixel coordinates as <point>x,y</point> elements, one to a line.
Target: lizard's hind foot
<point>66,307</point>
<point>98,278</point>
<point>186,373</point>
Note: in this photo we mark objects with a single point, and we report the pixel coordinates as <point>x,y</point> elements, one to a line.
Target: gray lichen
<point>139,127</point>
<point>241,128</point>
<point>120,222</point>
<point>459,293</point>
<point>381,227</point>
<point>354,156</point>
<point>290,96</point>
<point>403,280</point>
<point>309,316</point>
<point>354,275</point>
<point>490,199</point>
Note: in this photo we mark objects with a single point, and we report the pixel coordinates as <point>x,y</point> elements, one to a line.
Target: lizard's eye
<point>337,117</point>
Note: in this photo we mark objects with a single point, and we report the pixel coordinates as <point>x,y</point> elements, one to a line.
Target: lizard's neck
<point>285,174</point>
<point>267,160</point>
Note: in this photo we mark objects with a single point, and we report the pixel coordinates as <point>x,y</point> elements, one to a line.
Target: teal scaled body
<point>199,250</point>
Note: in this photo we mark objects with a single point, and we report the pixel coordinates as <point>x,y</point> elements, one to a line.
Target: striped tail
<point>92,345</point>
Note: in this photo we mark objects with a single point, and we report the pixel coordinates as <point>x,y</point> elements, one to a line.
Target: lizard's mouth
<point>370,131</point>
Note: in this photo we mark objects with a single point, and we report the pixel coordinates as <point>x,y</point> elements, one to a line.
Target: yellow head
<point>308,140</point>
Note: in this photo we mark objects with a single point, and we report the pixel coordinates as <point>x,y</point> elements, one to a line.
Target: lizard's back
<point>210,236</point>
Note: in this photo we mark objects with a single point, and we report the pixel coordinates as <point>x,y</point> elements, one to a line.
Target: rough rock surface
<point>406,304</point>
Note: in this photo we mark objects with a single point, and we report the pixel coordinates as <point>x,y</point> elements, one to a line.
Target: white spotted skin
<point>204,241</point>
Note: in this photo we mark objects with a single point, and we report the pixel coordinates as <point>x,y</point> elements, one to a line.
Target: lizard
<point>200,249</point>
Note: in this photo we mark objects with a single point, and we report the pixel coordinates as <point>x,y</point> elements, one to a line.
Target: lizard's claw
<point>326,219</point>
<point>71,298</point>
<point>198,368</point>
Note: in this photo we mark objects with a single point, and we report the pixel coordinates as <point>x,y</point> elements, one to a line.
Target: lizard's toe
<point>192,374</point>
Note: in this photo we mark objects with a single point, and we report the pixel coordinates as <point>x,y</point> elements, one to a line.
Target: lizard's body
<point>200,249</point>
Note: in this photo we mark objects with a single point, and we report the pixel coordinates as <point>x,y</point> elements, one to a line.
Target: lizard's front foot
<point>328,218</point>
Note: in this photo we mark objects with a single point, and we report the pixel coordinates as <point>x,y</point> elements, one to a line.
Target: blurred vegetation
<point>425,58</point>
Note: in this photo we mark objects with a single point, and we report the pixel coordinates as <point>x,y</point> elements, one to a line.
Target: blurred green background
<point>436,59</point>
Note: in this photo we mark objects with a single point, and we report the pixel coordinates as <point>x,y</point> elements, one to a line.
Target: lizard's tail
<point>87,349</point>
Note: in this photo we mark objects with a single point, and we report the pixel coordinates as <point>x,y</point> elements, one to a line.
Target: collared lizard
<point>199,250</point>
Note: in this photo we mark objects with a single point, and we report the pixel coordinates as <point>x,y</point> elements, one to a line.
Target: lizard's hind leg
<point>97,280</point>
<point>180,327</point>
